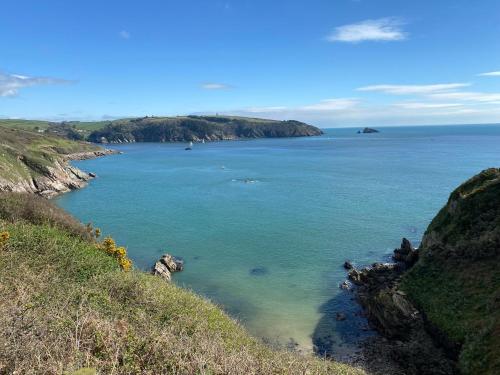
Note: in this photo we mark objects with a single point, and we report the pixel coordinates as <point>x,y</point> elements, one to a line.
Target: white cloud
<point>124,34</point>
<point>266,109</point>
<point>413,89</point>
<point>418,105</point>
<point>10,84</point>
<point>482,97</point>
<point>490,74</point>
<point>383,29</point>
<point>331,105</point>
<point>215,86</point>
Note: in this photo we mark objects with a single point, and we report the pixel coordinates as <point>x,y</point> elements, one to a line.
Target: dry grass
<point>15,207</point>
<point>66,306</point>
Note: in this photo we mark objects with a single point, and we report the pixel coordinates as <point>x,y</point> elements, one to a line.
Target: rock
<point>368,131</point>
<point>355,276</point>
<point>160,269</point>
<point>259,271</point>
<point>340,316</point>
<point>348,265</point>
<point>345,285</point>
<point>172,263</point>
<point>93,175</point>
<point>406,254</point>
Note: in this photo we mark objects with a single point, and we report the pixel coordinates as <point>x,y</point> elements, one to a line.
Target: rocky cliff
<point>439,305</point>
<point>39,164</point>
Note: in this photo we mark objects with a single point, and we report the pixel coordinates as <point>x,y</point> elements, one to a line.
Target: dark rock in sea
<point>93,175</point>
<point>259,271</point>
<point>368,131</point>
<point>340,316</point>
<point>348,265</point>
<point>406,254</point>
<point>345,285</point>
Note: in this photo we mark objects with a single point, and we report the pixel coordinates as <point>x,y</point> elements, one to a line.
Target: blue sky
<point>330,63</point>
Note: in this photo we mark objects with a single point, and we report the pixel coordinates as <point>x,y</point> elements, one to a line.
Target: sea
<point>264,226</point>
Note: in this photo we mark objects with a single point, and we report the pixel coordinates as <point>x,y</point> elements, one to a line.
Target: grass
<point>66,306</point>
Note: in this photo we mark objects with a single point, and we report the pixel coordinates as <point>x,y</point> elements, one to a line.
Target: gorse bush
<point>120,253</point>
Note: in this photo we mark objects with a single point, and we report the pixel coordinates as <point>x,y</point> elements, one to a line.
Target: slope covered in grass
<point>25,154</point>
<point>456,282</point>
<point>66,305</point>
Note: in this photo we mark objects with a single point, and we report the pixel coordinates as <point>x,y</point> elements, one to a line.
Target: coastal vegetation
<point>67,306</point>
<point>37,163</point>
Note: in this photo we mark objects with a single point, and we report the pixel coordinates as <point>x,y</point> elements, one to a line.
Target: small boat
<point>189,147</point>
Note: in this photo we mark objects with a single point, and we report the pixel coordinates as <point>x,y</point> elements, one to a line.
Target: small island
<point>368,131</point>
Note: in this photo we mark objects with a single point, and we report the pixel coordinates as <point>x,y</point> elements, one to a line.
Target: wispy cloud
<point>10,84</point>
<point>413,89</point>
<point>124,34</point>
<point>215,86</point>
<point>490,74</point>
<point>482,97</point>
<point>383,29</point>
<point>331,105</point>
<point>419,105</point>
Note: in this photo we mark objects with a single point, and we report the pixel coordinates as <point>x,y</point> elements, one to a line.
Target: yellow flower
<point>109,245</point>
<point>125,264</point>
<point>121,252</point>
<point>4,236</point>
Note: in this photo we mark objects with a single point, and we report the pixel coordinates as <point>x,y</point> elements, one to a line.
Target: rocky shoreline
<point>408,343</point>
<point>61,177</point>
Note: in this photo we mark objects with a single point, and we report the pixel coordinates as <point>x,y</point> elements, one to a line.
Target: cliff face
<point>39,164</point>
<point>197,128</point>
<point>456,282</point>
<point>440,304</point>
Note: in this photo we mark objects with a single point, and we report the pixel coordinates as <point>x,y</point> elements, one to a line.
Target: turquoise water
<point>265,225</point>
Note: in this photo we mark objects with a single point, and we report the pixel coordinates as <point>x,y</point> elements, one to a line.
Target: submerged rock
<point>348,265</point>
<point>259,271</point>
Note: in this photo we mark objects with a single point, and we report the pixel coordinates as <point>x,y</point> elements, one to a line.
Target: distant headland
<point>198,128</point>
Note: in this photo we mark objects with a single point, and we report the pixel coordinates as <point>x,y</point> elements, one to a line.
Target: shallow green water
<point>265,225</point>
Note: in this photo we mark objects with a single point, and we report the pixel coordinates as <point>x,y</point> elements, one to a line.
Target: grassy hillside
<point>456,282</point>
<point>25,154</point>
<point>65,304</point>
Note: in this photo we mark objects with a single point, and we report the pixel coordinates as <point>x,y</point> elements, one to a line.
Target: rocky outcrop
<point>50,180</point>
<point>166,265</point>
<point>391,312</point>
